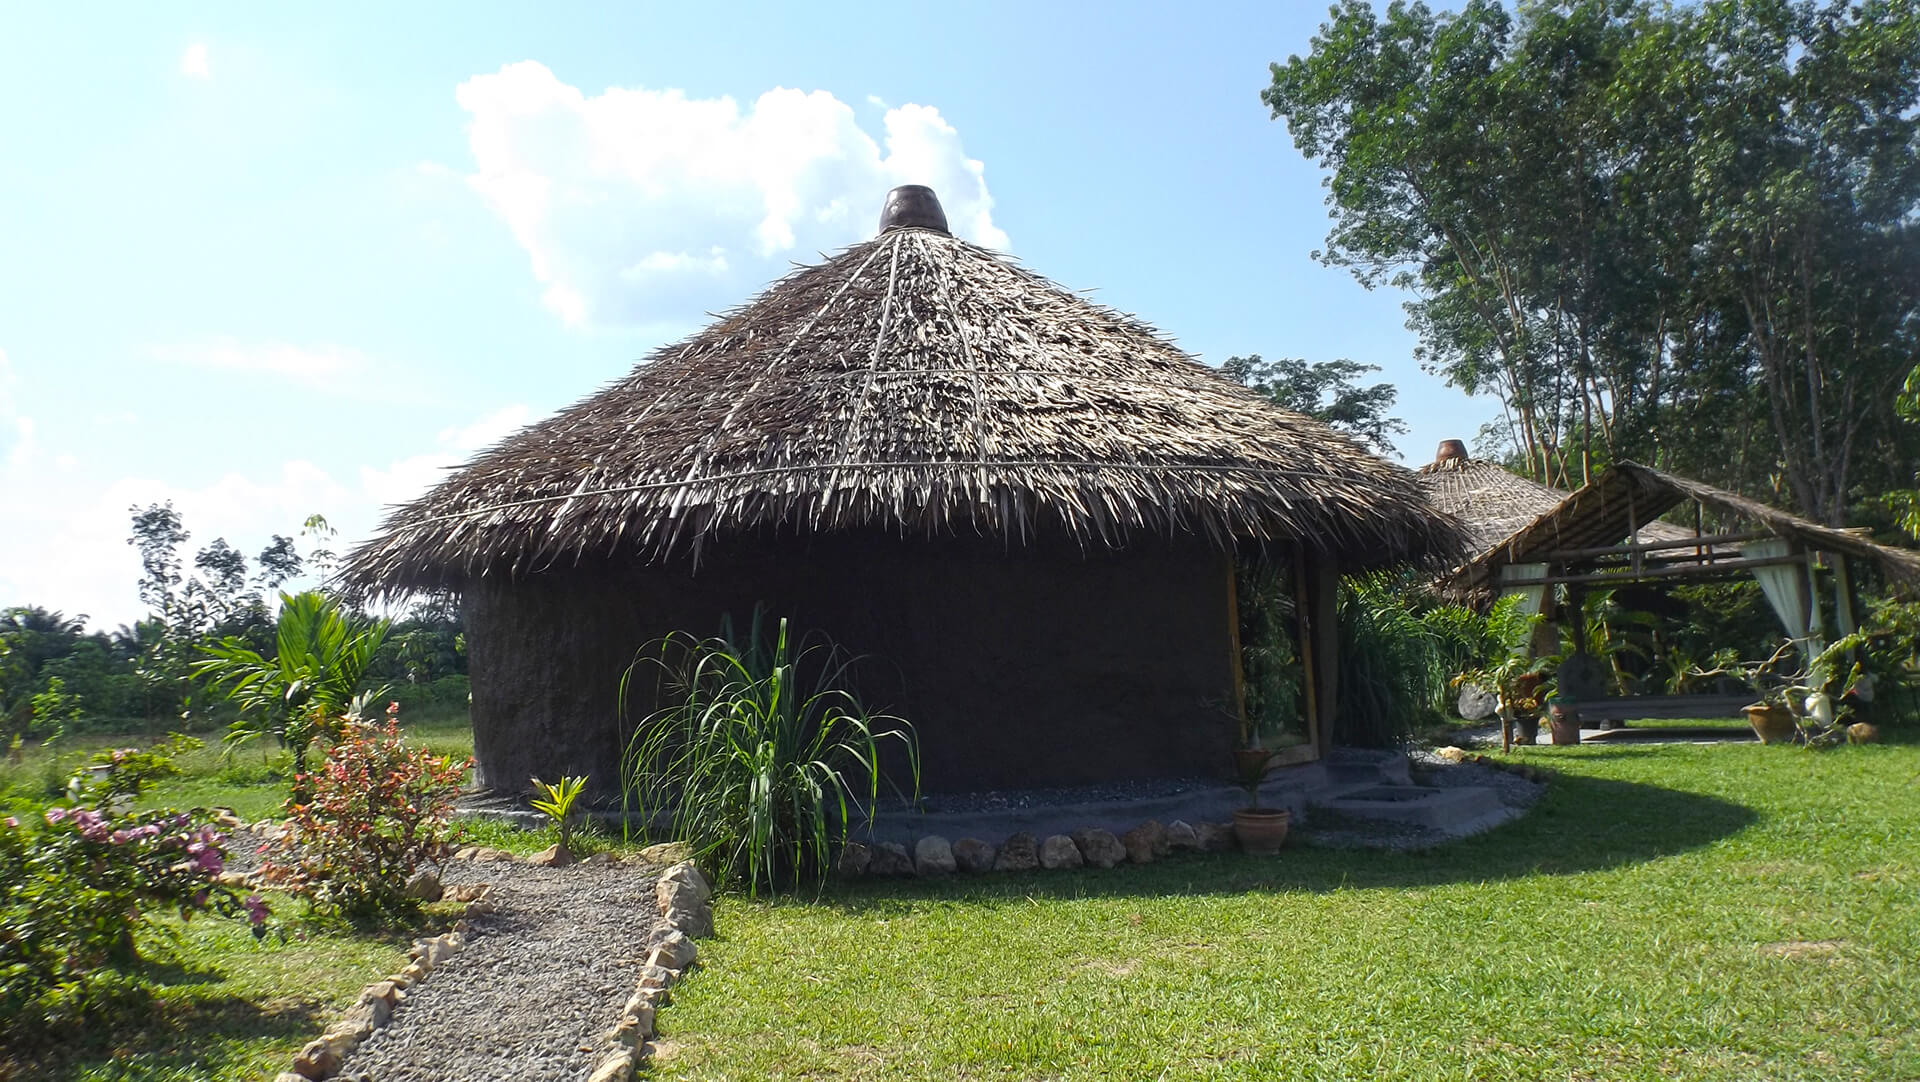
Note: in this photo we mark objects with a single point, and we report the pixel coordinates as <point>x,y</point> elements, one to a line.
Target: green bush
<point>1400,651</point>
<point>76,879</point>
<point>760,753</point>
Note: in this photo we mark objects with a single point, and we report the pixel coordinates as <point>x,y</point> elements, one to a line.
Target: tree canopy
<point>1685,235</point>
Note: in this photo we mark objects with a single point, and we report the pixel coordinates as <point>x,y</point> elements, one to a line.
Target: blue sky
<point>268,261</point>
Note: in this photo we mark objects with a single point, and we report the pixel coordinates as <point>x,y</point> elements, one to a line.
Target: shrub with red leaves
<point>378,810</point>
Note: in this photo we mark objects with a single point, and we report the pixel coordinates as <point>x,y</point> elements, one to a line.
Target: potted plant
<point>1563,717</point>
<point>1517,682</point>
<point>1259,830</point>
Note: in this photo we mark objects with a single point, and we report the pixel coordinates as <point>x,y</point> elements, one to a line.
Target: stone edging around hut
<point>934,855</point>
<point>685,901</point>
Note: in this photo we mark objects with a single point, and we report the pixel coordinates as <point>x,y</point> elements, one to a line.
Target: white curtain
<point>1787,588</point>
<point>1531,597</point>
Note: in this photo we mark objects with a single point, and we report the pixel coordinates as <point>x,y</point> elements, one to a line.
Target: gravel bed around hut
<point>533,995</point>
<point>1016,799</point>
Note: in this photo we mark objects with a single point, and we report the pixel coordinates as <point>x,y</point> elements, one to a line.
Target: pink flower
<point>12,823</point>
<point>256,909</point>
<point>393,708</point>
<point>55,815</point>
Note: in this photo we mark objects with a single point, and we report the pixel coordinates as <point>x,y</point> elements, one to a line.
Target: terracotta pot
<point>1565,723</point>
<point>1772,724</point>
<point>1261,831</point>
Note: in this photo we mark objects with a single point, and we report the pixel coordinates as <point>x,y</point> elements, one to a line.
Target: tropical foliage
<point>763,755</point>
<point>313,675</point>
<point>76,879</point>
<point>1683,234</point>
<point>378,809</point>
<point>555,801</point>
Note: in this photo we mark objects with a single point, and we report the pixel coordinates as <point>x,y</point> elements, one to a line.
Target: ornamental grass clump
<point>379,809</point>
<point>762,755</point>
<point>77,879</point>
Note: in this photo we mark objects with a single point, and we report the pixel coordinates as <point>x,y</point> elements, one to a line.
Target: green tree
<point>1685,235</point>
<point>1905,503</point>
<point>1327,392</point>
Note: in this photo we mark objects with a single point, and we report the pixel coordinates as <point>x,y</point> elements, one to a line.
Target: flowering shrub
<point>75,880</point>
<point>378,810</point>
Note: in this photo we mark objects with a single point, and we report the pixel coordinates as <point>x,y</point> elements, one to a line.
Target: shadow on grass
<point>1582,824</point>
<point>159,1036</point>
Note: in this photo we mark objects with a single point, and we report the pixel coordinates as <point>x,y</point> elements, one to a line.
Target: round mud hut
<point>1022,509</point>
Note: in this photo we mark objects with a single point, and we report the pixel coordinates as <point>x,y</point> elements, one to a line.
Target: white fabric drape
<point>1531,597</point>
<point>1786,587</point>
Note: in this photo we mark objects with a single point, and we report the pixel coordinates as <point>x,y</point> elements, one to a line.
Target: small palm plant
<point>320,660</point>
<point>556,802</point>
<point>761,752</point>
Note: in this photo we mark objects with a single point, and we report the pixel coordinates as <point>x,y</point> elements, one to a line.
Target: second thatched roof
<point>915,383</point>
<point>1493,503</point>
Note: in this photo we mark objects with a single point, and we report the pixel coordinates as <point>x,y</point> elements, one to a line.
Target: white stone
<point>933,855</point>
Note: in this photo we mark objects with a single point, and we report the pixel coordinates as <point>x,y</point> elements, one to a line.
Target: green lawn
<point>253,781</point>
<point>1678,911</point>
<point>224,1007</point>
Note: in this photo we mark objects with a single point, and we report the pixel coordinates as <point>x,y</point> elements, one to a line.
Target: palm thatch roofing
<point>915,383</point>
<point>1493,503</point>
<point>1628,496</point>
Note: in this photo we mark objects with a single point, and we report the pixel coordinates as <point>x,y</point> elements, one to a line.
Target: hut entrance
<point>1275,706</point>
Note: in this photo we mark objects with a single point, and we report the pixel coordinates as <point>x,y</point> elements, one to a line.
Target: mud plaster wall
<point>1022,669</point>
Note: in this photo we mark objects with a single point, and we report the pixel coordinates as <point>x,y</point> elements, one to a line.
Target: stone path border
<point>685,901</point>
<point>682,894</point>
<point>933,855</point>
<point>322,1057</point>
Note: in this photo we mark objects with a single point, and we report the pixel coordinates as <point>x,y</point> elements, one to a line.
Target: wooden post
<point>1233,647</point>
<point>1318,603</point>
<point>1303,625</point>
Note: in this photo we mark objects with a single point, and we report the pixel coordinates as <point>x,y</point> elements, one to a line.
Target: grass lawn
<point>1679,911</point>
<point>253,782</point>
<point>224,1006</point>
<point>1737,725</point>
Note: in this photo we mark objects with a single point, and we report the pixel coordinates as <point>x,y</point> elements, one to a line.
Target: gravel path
<point>540,982</point>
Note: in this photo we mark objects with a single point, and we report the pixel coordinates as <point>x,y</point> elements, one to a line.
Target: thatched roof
<point>915,383</point>
<point>1627,495</point>
<point>1493,503</point>
<point>1490,500</point>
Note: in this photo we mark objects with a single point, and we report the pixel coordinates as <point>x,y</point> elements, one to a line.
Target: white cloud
<point>193,62</point>
<point>640,206</point>
<point>68,548</point>
<point>401,481</point>
<point>325,367</point>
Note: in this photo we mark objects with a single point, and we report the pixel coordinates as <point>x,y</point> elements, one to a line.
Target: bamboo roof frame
<point>1625,498</point>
